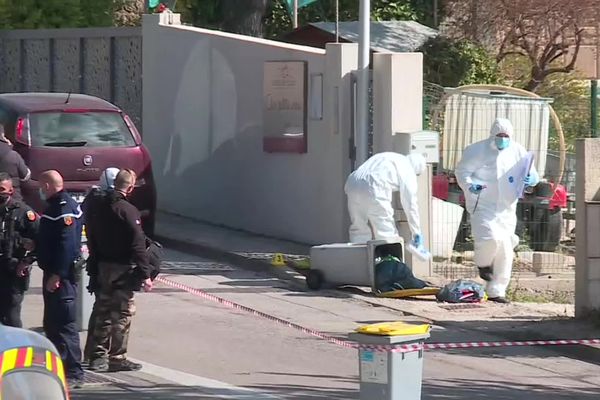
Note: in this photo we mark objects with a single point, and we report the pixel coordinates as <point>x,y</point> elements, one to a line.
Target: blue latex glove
<point>531,180</point>
<point>475,189</point>
<point>418,240</point>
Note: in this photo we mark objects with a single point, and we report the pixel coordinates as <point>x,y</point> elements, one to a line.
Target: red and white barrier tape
<point>470,345</point>
<point>406,348</point>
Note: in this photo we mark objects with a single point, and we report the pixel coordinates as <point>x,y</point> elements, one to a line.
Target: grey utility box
<point>386,375</point>
<point>342,264</point>
<point>426,143</point>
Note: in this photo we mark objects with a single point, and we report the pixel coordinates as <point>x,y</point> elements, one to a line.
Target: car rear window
<point>78,129</point>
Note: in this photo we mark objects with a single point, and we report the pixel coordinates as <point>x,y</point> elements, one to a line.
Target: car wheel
<point>546,230</point>
<point>553,230</point>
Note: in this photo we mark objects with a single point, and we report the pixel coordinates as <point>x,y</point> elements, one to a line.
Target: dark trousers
<point>114,309</point>
<point>60,325</point>
<point>11,299</point>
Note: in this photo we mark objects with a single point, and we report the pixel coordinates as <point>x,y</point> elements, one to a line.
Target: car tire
<point>547,230</point>
<point>554,229</point>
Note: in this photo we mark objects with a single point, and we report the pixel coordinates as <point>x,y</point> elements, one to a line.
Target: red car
<point>79,136</point>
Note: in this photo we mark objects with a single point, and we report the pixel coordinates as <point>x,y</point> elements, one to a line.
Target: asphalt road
<point>194,348</point>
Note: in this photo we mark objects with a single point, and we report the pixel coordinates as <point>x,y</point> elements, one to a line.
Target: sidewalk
<point>237,247</point>
<point>517,321</point>
<point>158,383</point>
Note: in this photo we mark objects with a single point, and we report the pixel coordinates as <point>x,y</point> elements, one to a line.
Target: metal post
<point>362,113</point>
<point>435,14</point>
<point>295,15</point>
<point>337,21</point>
<point>594,106</point>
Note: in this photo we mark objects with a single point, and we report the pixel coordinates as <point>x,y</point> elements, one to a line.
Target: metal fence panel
<point>470,115</point>
<point>544,226</point>
<point>102,62</point>
<point>67,65</point>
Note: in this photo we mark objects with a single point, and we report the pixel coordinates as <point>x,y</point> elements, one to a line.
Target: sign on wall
<point>284,106</point>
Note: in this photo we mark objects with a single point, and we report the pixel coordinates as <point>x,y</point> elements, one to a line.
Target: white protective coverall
<point>494,220</point>
<point>370,189</point>
<point>107,178</point>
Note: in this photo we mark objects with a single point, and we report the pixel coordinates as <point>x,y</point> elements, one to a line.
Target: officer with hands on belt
<point>58,250</point>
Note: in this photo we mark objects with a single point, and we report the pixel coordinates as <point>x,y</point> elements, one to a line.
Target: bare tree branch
<point>546,32</point>
<point>502,56</point>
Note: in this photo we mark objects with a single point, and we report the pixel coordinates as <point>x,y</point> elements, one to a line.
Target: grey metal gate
<point>103,62</point>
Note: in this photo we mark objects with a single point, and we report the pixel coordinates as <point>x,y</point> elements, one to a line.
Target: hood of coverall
<point>501,125</point>
<point>107,179</point>
<point>418,163</point>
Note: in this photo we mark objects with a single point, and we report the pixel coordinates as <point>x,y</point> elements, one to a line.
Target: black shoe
<point>501,300</point>
<point>98,365</point>
<point>75,383</point>
<point>485,273</point>
<point>123,365</point>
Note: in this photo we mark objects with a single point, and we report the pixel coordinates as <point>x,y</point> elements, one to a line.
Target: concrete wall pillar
<point>398,107</point>
<point>341,60</point>
<point>587,270</point>
<point>397,97</point>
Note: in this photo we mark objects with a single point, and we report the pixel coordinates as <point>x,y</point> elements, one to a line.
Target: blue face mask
<point>42,194</point>
<point>502,142</point>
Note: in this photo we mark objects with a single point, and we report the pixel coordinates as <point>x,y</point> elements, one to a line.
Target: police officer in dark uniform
<point>119,244</point>
<point>58,250</point>
<point>91,206</point>
<point>12,163</point>
<point>93,201</point>
<point>18,228</point>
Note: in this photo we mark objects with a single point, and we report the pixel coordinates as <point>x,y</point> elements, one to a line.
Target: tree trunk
<point>244,16</point>
<point>537,77</point>
<point>532,85</point>
<point>474,21</point>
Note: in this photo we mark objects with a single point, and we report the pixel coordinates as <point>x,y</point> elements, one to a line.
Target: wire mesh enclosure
<point>545,213</point>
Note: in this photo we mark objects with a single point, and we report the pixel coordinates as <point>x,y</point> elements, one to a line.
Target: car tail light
<point>22,132</point>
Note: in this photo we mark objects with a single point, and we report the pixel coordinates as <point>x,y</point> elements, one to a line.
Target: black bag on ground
<point>392,274</point>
